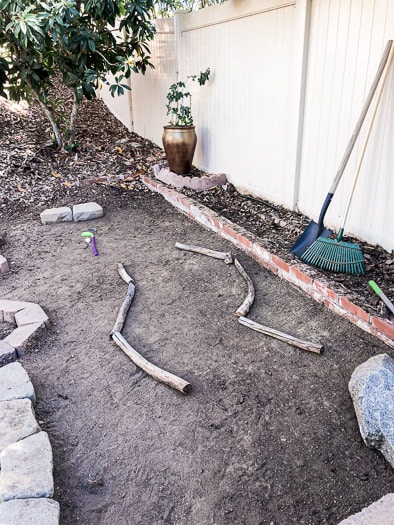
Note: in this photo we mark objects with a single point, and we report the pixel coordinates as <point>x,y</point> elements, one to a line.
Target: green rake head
<point>334,256</point>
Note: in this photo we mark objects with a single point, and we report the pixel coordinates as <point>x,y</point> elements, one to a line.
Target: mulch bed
<point>34,176</point>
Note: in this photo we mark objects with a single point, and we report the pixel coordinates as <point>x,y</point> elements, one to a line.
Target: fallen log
<point>243,310</point>
<point>154,371</point>
<point>226,257</point>
<point>120,320</point>
<point>294,341</point>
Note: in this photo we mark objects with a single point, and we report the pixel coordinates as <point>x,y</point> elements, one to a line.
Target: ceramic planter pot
<point>179,144</point>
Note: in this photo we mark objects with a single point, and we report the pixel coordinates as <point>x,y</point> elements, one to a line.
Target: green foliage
<point>179,100</point>
<point>81,41</point>
<point>167,8</point>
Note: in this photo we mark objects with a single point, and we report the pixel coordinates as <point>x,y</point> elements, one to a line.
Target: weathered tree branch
<point>154,371</point>
<point>226,257</point>
<point>294,341</point>
<point>249,299</point>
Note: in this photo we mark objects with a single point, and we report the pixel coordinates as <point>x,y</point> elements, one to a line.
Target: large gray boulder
<point>372,390</point>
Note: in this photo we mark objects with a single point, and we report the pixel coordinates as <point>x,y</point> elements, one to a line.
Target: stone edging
<point>301,275</point>
<point>26,460</point>
<point>162,172</point>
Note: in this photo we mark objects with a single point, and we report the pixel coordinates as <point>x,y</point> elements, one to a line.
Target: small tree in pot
<point>179,136</point>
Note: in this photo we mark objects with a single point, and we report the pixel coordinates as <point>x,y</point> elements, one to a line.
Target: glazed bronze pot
<point>179,144</point>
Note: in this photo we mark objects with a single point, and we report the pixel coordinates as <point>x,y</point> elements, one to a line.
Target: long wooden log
<point>249,299</point>
<point>120,320</point>
<point>154,371</point>
<point>294,341</point>
<point>226,257</point>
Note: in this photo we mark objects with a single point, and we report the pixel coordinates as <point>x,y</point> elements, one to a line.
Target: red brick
<point>354,309</point>
<point>280,263</point>
<point>247,243</point>
<point>383,326</point>
<point>301,276</point>
<point>325,291</point>
<point>260,253</point>
<point>229,231</point>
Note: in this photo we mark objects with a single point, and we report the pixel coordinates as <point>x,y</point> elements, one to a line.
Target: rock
<point>379,513</point>
<point>4,267</point>
<point>8,309</point>
<point>26,469</point>
<point>35,511</point>
<point>53,215</point>
<point>372,390</point>
<point>87,211</point>
<point>17,422</point>
<point>7,355</point>
<point>15,383</point>
<point>23,336</point>
<point>31,314</point>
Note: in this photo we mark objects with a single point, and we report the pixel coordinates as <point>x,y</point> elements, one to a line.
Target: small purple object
<point>95,252</point>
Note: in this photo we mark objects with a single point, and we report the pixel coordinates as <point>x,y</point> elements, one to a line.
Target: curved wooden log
<point>154,371</point>
<point>226,257</point>
<point>125,276</point>
<point>120,320</point>
<point>294,341</point>
<point>249,299</point>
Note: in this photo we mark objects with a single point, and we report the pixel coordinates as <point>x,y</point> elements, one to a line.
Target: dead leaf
<point>19,188</point>
<point>119,150</point>
<point>68,184</point>
<point>55,174</point>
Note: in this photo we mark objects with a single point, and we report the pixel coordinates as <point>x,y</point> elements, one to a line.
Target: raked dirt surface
<point>268,435</point>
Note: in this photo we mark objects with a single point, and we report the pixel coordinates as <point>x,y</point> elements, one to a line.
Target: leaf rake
<point>336,255</point>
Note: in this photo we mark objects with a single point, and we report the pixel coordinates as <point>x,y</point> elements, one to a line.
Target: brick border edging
<point>300,274</point>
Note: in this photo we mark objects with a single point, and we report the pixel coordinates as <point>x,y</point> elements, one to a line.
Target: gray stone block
<point>35,511</point>
<point>7,354</point>
<point>372,390</point>
<point>4,266</point>
<point>26,469</point>
<point>17,422</point>
<point>15,383</point>
<point>31,314</point>
<point>23,336</point>
<point>53,215</point>
<point>8,309</point>
<point>379,513</point>
<point>87,211</point>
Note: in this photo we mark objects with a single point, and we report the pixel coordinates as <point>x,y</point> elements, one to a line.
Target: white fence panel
<point>346,42</point>
<point>289,79</point>
<point>149,91</point>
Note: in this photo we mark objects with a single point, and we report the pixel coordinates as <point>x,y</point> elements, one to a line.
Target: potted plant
<point>179,136</point>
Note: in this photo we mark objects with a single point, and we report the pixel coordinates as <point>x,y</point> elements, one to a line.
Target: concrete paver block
<point>379,513</point>
<point>4,266</point>
<point>87,211</point>
<point>53,215</point>
<point>372,390</point>
<point>35,511</point>
<point>17,422</point>
<point>23,336</point>
<point>7,355</point>
<point>31,314</point>
<point>9,309</point>
<point>26,469</point>
<point>15,383</point>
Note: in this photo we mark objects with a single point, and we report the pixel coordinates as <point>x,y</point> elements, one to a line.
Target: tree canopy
<point>83,42</point>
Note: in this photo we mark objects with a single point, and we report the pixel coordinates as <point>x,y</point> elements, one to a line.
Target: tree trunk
<point>48,113</point>
<point>73,118</point>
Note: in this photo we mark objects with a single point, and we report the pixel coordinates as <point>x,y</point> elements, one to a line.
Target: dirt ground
<point>268,435</point>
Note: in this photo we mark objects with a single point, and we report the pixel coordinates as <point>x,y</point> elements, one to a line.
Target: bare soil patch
<point>268,434</point>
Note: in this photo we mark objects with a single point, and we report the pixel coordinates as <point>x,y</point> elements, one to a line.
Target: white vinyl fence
<point>288,82</point>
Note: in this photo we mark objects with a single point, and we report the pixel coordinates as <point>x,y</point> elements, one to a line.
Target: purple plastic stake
<point>95,252</point>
